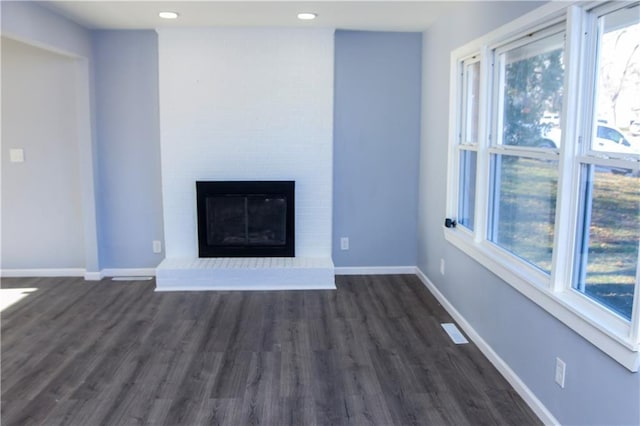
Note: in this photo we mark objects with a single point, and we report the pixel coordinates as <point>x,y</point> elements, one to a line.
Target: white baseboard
<point>514,380</point>
<point>77,272</point>
<point>43,272</point>
<point>128,272</point>
<point>375,270</point>
<point>93,276</point>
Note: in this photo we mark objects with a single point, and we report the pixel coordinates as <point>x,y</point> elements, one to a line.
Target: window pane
<point>467,202</point>
<point>524,207</point>
<point>618,83</point>
<point>532,93</point>
<point>472,95</point>
<point>609,238</point>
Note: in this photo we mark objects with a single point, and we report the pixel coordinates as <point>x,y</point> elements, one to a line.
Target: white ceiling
<point>354,15</point>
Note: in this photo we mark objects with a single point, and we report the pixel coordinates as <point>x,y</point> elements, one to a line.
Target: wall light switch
<point>157,246</point>
<point>16,155</point>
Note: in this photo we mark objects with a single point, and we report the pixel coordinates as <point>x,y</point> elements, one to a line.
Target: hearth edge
<point>245,274</point>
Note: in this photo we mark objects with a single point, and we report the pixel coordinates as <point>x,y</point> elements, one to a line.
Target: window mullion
<point>524,152</point>
<point>610,162</point>
<point>484,116</point>
<point>464,103</point>
<point>635,311</point>
<point>565,247</point>
<point>498,75</point>
<point>455,130</point>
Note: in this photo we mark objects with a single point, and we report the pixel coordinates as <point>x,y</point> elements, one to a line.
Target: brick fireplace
<point>246,104</point>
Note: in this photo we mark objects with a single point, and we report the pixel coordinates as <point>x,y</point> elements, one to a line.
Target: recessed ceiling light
<point>168,15</point>
<point>307,16</point>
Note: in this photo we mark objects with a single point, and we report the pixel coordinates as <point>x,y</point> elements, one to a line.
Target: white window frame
<point>464,82</point>
<point>462,123</point>
<point>494,142</point>
<point>608,331</point>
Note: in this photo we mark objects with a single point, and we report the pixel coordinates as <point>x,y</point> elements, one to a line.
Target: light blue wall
<point>125,127</point>
<point>129,198</point>
<point>598,390</point>
<point>31,23</point>
<point>376,147</point>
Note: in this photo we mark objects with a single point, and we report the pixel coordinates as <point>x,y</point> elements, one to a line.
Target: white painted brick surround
<point>247,104</point>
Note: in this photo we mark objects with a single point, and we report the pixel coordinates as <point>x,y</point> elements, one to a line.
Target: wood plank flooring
<point>116,353</point>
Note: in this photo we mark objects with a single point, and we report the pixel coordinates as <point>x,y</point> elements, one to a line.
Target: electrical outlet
<point>560,371</point>
<point>157,246</point>
<point>442,266</point>
<point>16,155</point>
<point>344,243</point>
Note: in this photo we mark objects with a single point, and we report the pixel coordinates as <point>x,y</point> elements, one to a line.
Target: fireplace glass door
<point>246,219</point>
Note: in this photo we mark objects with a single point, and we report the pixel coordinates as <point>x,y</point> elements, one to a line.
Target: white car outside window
<point>608,139</point>
<point>611,140</point>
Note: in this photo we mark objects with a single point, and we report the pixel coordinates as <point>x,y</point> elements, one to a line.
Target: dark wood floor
<point>116,353</point>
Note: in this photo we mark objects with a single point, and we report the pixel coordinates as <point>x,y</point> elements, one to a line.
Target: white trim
<point>77,272</point>
<point>42,272</point>
<point>564,255</point>
<point>128,272</point>
<point>545,16</point>
<point>93,276</point>
<point>503,368</point>
<point>455,115</point>
<point>375,270</point>
<point>86,166</point>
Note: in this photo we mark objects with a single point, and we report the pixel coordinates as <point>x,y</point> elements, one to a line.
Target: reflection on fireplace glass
<point>246,220</point>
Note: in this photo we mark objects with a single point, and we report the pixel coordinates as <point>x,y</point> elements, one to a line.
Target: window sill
<point>604,330</point>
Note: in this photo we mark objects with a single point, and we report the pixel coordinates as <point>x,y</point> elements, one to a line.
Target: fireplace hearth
<point>246,218</point>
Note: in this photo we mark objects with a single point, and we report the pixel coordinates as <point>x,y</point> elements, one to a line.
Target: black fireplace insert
<point>246,218</point>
